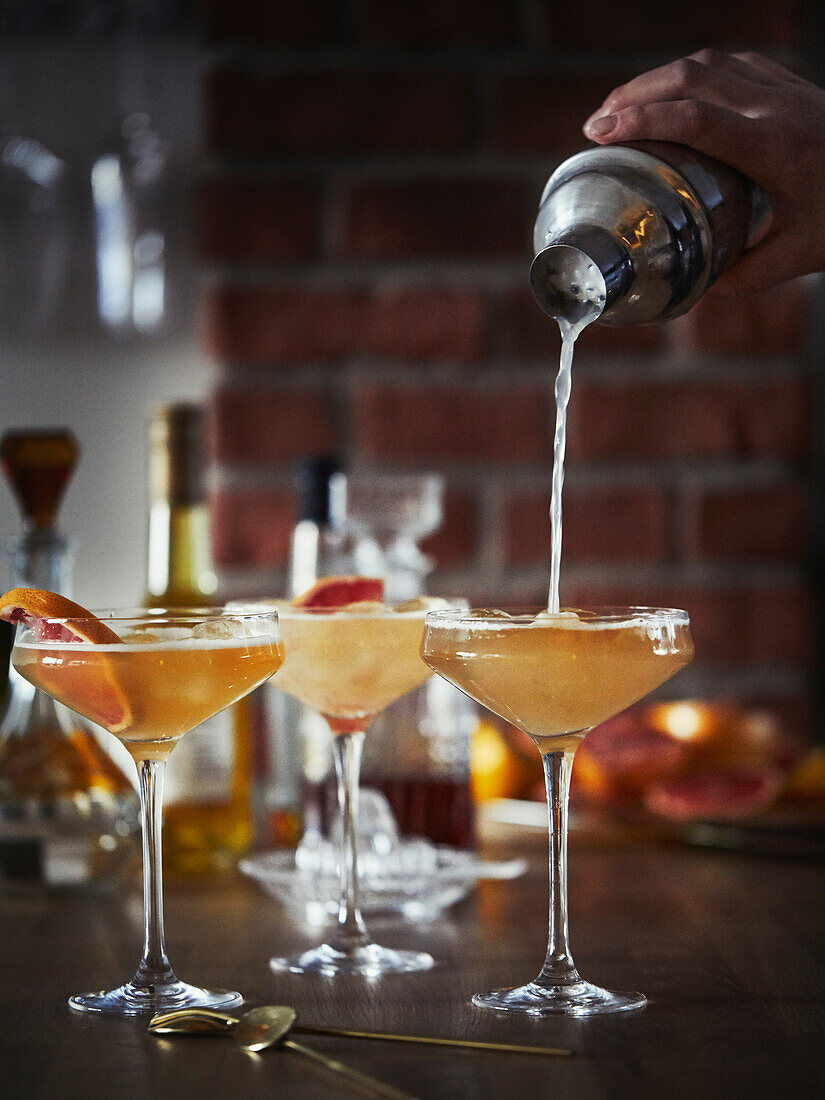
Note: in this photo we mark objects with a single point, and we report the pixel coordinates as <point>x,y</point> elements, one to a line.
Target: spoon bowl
<point>263,1027</point>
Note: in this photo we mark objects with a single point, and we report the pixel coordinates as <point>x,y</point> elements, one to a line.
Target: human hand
<point>755,116</point>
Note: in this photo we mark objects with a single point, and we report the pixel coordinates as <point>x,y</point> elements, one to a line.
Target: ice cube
<point>366,607</point>
<point>560,618</point>
<point>218,629</point>
<point>140,636</point>
<point>488,613</point>
<point>423,603</point>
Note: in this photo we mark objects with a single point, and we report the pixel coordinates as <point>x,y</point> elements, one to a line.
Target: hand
<point>754,115</point>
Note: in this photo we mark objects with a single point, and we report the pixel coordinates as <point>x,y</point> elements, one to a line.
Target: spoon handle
<point>362,1079</point>
<point>428,1040</point>
<point>191,1019</point>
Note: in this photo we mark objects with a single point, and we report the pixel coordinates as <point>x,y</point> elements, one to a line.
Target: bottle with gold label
<point>208,816</point>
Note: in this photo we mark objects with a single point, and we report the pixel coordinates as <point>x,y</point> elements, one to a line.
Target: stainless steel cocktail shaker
<point>628,234</point>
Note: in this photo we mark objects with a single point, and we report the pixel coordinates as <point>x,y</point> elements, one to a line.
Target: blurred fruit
<point>806,782</point>
<point>723,734</point>
<point>497,770</point>
<point>722,794</point>
<point>620,757</point>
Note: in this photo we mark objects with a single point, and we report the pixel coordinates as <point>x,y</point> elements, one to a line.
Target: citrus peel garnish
<point>37,609</point>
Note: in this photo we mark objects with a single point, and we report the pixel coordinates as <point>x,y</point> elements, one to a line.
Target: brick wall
<point>371,174</point>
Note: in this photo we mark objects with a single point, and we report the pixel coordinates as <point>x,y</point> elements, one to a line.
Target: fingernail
<point>600,126</point>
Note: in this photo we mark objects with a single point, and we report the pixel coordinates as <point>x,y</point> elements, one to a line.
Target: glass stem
<point>154,966</point>
<point>351,932</point>
<point>558,968</point>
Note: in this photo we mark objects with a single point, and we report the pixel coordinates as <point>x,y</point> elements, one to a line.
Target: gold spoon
<point>194,1021</point>
<point>259,1029</point>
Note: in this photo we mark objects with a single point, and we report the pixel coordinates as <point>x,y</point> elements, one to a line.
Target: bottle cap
<point>312,487</point>
<point>176,453</point>
<point>38,464</point>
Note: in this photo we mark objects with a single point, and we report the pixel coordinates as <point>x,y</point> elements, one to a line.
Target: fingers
<point>686,80</point>
<point>745,65</point>
<point>716,78</point>
<point>759,268</point>
<point>769,69</point>
<point>717,131</point>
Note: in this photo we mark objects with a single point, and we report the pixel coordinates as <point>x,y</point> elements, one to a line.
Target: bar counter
<point>727,947</point>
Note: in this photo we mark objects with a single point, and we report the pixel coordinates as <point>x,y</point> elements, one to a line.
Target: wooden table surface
<point>728,948</point>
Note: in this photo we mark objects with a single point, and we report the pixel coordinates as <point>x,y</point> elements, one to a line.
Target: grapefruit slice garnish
<point>33,606</point>
<point>98,696</point>
<point>341,592</point>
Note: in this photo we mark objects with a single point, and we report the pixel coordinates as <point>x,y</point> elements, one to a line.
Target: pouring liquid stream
<point>569,333</point>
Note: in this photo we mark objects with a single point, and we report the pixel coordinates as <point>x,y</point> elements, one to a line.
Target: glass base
<point>368,961</point>
<point>577,999</point>
<point>135,1000</point>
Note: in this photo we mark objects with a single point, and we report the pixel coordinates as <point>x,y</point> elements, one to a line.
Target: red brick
<point>544,112</point>
<point>423,322</point>
<point>602,25</point>
<point>259,326</point>
<point>455,541</point>
<point>261,21</point>
<point>271,428</point>
<point>286,324</point>
<point>690,419</point>
<point>599,524</point>
<point>329,113</point>
<point>449,422</point>
<point>252,528</point>
<point>764,523</point>
<point>256,220</point>
<point>436,23</point>
<point>429,218</point>
<point>524,329</point>
<point>738,626</point>
<point>774,322</point>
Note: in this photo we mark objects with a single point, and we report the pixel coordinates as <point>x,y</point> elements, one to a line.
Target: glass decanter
<point>68,814</point>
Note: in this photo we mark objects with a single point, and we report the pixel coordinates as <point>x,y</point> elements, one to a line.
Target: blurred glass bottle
<point>68,814</point>
<point>35,229</point>
<point>297,753</point>
<point>208,814</point>
<point>417,752</point>
<point>129,193</point>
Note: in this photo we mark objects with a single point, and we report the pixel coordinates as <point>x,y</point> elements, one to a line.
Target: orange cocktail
<point>148,677</point>
<point>149,692</point>
<point>348,662</point>
<point>555,675</point>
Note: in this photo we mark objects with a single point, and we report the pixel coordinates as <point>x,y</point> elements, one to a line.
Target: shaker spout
<point>580,274</point>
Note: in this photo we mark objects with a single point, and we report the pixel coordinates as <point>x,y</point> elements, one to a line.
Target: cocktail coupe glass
<point>555,676</point>
<point>171,670</point>
<point>349,665</point>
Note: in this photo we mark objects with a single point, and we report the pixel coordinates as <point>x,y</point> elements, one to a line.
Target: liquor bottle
<point>298,758</point>
<point>68,814</point>
<point>208,815</point>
